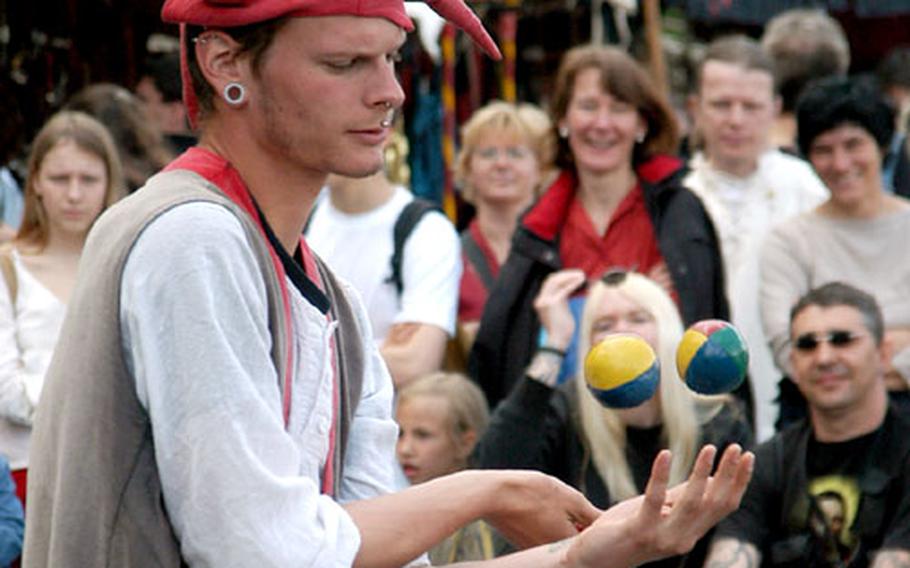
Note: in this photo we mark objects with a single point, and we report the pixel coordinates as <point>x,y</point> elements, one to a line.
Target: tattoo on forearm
<point>731,553</point>
<point>892,559</point>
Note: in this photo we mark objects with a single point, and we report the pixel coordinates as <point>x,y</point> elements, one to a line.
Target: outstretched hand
<point>665,522</point>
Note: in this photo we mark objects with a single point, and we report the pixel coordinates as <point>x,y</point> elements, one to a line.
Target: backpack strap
<point>478,260</point>
<point>412,213</point>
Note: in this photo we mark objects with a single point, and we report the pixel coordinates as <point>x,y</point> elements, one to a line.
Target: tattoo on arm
<point>893,558</point>
<point>732,553</point>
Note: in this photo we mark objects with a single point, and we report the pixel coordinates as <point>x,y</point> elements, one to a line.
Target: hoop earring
<point>234,93</point>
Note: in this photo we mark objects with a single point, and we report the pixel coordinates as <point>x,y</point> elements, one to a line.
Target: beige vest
<point>94,495</point>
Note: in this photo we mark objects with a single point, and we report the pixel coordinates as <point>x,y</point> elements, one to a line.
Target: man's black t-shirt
<point>827,504</point>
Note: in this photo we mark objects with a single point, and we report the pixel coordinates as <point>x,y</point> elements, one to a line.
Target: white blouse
<point>28,333</point>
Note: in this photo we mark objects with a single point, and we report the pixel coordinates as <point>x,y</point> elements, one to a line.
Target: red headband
<point>230,13</point>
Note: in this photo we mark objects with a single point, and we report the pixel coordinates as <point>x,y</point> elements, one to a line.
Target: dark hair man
<point>852,447</point>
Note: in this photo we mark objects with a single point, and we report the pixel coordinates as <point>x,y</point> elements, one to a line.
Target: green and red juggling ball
<point>712,357</point>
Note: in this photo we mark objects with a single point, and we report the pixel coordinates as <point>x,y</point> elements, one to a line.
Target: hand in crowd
<point>665,522</point>
<point>552,305</point>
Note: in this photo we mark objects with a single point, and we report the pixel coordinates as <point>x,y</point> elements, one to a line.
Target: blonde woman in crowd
<point>74,174</point>
<point>441,417</point>
<point>565,432</point>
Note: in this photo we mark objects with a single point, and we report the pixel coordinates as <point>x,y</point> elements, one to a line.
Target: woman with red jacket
<point>617,203</point>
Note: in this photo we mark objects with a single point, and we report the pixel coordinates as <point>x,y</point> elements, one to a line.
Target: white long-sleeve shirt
<point>240,488</point>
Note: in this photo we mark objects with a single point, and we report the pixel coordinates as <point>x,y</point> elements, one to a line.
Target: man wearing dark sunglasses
<point>852,450</point>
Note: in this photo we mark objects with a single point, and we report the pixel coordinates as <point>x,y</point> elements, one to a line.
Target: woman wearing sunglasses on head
<point>565,432</point>
<point>858,236</point>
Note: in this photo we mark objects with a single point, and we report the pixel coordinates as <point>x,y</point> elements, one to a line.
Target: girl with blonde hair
<point>440,418</point>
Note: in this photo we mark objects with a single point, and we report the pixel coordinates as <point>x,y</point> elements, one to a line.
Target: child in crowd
<point>441,416</point>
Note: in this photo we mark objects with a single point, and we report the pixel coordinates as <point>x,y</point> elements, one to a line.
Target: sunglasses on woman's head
<point>836,338</point>
<point>614,276</point>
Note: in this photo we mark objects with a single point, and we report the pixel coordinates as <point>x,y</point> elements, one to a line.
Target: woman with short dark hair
<point>858,236</point>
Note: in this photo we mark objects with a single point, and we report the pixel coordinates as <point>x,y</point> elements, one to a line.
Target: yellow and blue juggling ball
<point>712,357</point>
<point>622,371</point>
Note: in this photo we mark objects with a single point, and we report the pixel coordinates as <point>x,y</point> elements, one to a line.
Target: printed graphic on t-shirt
<point>833,504</point>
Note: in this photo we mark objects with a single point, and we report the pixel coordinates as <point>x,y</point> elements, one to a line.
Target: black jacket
<point>509,328</point>
<point>538,428</point>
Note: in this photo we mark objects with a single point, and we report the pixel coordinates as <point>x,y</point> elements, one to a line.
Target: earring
<point>234,93</point>
<point>641,137</point>
<point>563,131</point>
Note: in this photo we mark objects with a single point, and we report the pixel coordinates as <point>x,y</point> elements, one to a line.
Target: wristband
<point>553,350</point>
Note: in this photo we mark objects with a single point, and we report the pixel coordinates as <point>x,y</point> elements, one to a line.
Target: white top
<point>28,334</point>
<point>359,247</point>
<point>744,210</point>
<point>239,488</point>
<point>811,250</point>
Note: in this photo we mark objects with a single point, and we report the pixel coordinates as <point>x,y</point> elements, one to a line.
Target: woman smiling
<point>618,202</point>
<point>858,236</point>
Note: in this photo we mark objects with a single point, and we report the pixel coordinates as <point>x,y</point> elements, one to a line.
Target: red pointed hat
<point>230,13</point>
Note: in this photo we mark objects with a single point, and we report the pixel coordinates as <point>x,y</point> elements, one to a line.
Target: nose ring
<point>390,115</point>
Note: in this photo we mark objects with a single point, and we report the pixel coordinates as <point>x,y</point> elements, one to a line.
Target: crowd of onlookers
<point>603,215</point>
